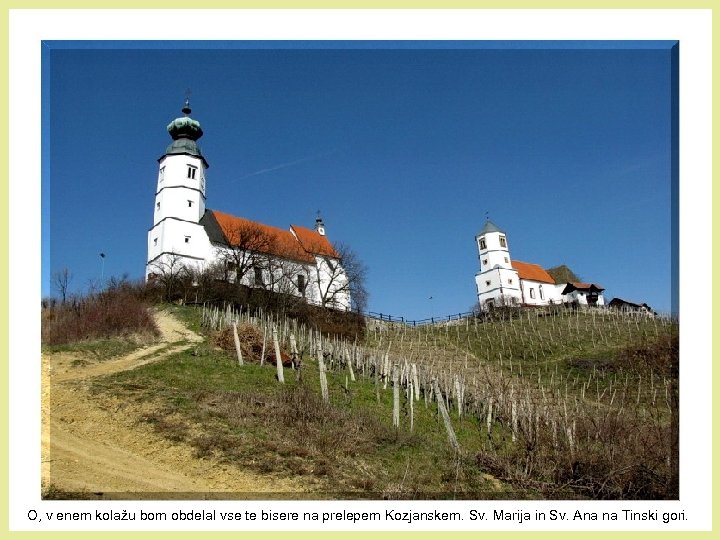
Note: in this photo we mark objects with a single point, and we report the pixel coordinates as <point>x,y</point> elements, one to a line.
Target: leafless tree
<point>287,278</point>
<point>169,271</point>
<point>247,241</point>
<point>60,281</point>
<point>336,279</point>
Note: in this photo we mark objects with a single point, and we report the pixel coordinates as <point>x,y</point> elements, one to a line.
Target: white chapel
<point>188,235</point>
<point>502,281</point>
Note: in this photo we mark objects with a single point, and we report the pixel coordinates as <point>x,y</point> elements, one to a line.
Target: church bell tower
<point>497,282</point>
<point>179,199</point>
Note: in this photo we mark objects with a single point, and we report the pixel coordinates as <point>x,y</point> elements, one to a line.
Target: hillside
<point>93,446</point>
<point>548,404</point>
<point>563,274</point>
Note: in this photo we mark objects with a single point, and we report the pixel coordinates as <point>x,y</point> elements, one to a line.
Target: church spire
<point>185,132</point>
<point>185,127</point>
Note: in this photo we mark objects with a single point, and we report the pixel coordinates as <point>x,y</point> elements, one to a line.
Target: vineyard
<point>552,403</point>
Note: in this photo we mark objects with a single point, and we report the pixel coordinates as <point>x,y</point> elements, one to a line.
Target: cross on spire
<point>186,109</point>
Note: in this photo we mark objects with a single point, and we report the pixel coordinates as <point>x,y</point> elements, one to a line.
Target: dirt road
<point>96,445</point>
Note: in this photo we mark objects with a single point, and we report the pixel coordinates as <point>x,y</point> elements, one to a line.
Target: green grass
<point>597,375</point>
<point>346,449</point>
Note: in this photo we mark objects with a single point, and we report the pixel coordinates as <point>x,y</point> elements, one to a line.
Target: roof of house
<point>620,302</point>
<point>533,272</point>
<point>235,231</point>
<point>587,287</point>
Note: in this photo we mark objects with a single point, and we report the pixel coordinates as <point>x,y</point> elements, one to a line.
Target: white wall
<point>504,286</point>
<point>494,254</point>
<point>550,293</point>
<point>171,236</point>
<point>175,190</point>
<point>581,298</point>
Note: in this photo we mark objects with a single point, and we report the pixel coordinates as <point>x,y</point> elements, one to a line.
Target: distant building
<point>187,235</point>
<point>504,282</point>
<point>583,293</point>
<point>626,305</point>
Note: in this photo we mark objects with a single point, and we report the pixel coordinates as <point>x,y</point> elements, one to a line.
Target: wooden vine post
<point>396,397</point>
<point>278,358</point>
<point>445,416</point>
<point>238,350</point>
<point>410,404</point>
<point>323,377</point>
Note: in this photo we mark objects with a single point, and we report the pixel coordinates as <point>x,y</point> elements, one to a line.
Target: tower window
<point>482,243</point>
<point>162,174</point>
<point>506,260</point>
<point>191,171</point>
<point>510,281</point>
<point>187,239</point>
<point>189,204</point>
<point>154,241</point>
<point>157,205</point>
<point>484,262</point>
<point>487,283</point>
<point>503,243</point>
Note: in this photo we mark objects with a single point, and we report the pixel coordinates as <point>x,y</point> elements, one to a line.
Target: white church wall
<point>173,172</point>
<point>179,237</point>
<point>537,293</point>
<point>500,285</point>
<point>179,203</point>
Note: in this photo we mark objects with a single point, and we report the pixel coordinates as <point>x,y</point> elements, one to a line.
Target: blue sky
<point>403,147</point>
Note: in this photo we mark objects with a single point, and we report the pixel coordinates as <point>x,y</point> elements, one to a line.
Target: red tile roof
<point>301,246</point>
<point>313,242</point>
<point>533,272</point>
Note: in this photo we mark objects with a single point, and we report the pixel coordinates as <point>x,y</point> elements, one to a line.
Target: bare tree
<point>60,281</point>
<point>341,279</point>
<point>169,271</point>
<point>246,242</point>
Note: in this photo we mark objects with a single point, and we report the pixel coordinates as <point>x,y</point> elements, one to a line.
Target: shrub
<point>119,310</point>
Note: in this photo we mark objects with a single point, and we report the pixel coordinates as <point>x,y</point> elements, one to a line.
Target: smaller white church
<point>186,235</point>
<point>504,282</point>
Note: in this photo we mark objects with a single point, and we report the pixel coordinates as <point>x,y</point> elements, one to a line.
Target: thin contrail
<point>285,165</point>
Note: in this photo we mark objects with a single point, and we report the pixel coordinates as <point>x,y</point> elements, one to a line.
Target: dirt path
<point>97,445</point>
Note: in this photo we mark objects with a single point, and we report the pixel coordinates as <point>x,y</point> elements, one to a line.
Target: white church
<point>504,282</point>
<point>187,235</point>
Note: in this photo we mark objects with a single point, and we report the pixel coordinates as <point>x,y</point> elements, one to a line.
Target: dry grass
<point>117,311</point>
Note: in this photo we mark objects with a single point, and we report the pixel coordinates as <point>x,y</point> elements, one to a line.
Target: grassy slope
<point>350,449</point>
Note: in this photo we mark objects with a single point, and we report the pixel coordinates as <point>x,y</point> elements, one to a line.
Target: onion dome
<point>185,132</point>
